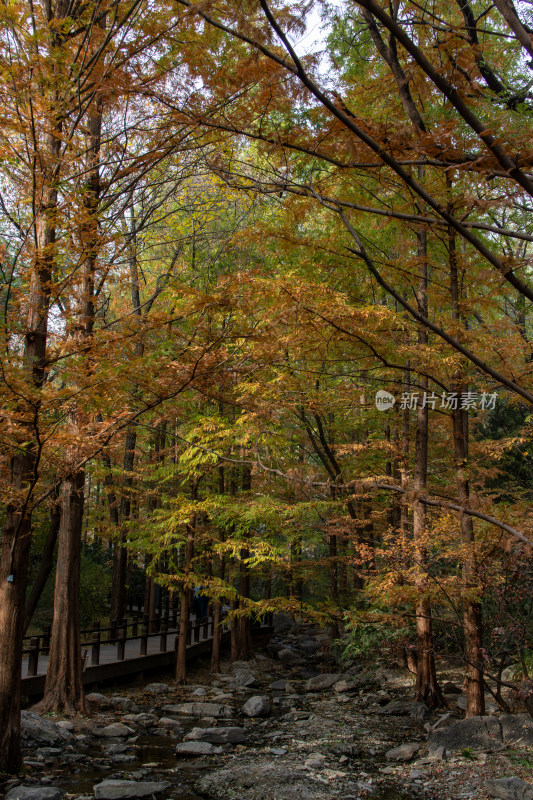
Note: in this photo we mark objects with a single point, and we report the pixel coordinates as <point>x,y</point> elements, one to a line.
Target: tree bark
<point>427,687</point>
<point>64,687</point>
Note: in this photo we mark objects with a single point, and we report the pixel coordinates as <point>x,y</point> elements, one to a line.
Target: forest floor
<point>286,725</point>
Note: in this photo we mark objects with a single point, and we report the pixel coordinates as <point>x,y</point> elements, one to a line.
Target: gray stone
<point>405,708</point>
<point>260,779</point>
<point>346,686</point>
<point>125,703</point>
<point>189,749</point>
<point>308,646</point>
<point>245,678</point>
<point>66,724</point>
<point>517,729</point>
<point>199,710</point>
<point>168,722</point>
<point>229,735</point>
<point>509,788</point>
<point>477,733</point>
<point>42,730</point>
<point>405,752</point>
<point>439,754</point>
<point>199,692</point>
<point>35,793</point>
<point>257,706</point>
<point>115,731</point>
<point>282,686</point>
<point>157,688</point>
<point>288,656</point>
<point>321,682</point>
<point>123,790</point>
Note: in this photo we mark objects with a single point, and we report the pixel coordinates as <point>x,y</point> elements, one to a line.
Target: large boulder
<point>476,733</point>
<point>517,730</point>
<point>194,749</point>
<point>199,710</point>
<point>42,730</point>
<point>509,789</point>
<point>263,779</point>
<point>35,793</point>
<point>322,682</point>
<point>257,706</point>
<point>116,730</point>
<point>229,735</point>
<point>127,790</point>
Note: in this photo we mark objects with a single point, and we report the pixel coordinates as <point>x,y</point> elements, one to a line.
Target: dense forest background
<point>227,245</point>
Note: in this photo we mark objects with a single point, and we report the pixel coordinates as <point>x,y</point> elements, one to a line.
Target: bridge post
<point>144,637</point>
<point>113,631</point>
<point>95,650</point>
<point>33,657</point>
<point>163,637</point>
<point>135,626</point>
<point>205,629</point>
<point>121,644</point>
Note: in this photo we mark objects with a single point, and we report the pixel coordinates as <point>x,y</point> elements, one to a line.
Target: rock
<point>229,735</point>
<point>451,688</point>
<point>416,775</point>
<point>392,678</point>
<point>98,699</point>
<point>42,730</point>
<point>282,686</point>
<point>125,703</point>
<point>315,761</point>
<point>405,752</point>
<point>115,731</point>
<point>346,686</point>
<point>123,790</point>
<point>509,788</point>
<point>167,722</point>
<point>245,678</point>
<point>288,656</point>
<point>321,682</point>
<point>261,779</point>
<point>141,719</point>
<point>439,754</point>
<point>35,793</point>
<point>404,708</point>
<point>478,733</point>
<point>199,692</point>
<point>517,729</point>
<point>66,724</point>
<point>257,706</point>
<point>116,701</point>
<point>309,646</point>
<point>197,749</point>
<point>199,710</point>
<point>157,688</point>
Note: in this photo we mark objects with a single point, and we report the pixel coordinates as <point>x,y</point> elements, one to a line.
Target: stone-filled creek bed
<point>286,725</point>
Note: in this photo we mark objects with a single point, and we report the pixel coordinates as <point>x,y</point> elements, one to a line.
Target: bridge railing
<point>142,629</point>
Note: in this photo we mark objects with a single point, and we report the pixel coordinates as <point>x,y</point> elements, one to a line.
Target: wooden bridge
<point>128,649</point>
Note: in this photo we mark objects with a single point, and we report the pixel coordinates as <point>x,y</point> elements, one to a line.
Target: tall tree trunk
<point>64,681</point>
<point>64,687</point>
<point>472,615</point>
<point>427,687</point>
<point>16,535</point>
<point>181,663</point>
